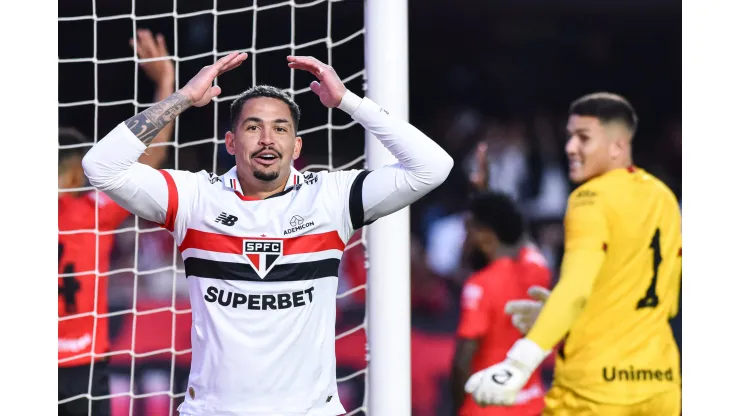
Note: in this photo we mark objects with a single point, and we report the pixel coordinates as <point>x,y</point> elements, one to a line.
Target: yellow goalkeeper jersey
<point>620,348</point>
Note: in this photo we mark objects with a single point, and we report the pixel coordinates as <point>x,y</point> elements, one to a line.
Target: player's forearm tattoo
<point>148,123</point>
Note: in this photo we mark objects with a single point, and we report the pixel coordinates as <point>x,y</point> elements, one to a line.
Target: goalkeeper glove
<point>500,383</point>
<point>524,312</point>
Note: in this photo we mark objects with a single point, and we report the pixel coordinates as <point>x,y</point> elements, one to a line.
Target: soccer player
<point>619,283</point>
<point>262,243</point>
<point>495,228</point>
<point>82,336</point>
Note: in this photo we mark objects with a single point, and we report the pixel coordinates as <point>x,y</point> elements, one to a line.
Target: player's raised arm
<point>423,164</point>
<point>586,233</point>
<point>111,165</point>
<point>162,74</point>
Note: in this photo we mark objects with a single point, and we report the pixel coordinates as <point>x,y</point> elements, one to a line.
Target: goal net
<point>102,82</point>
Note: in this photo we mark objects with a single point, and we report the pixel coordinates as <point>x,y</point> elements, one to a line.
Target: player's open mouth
<point>267,158</point>
<point>574,164</point>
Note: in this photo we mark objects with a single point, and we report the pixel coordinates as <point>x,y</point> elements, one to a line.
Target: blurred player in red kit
<point>83,292</point>
<point>496,239</point>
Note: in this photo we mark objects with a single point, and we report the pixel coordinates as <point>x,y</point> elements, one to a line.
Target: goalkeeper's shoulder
<point>662,191</point>
<point>588,196</point>
<point>590,209</point>
<point>604,191</point>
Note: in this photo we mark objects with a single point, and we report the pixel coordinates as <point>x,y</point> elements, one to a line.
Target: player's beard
<point>266,176</point>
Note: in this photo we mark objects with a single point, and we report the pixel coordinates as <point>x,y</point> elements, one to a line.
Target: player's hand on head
<point>200,89</point>
<point>148,46</point>
<point>329,86</point>
<point>524,312</point>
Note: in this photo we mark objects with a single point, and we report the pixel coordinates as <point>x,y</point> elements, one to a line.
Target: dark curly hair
<point>499,213</point>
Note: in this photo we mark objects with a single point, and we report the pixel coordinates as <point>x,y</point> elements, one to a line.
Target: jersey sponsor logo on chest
<point>259,301</point>
<point>262,255</point>
<point>297,223</point>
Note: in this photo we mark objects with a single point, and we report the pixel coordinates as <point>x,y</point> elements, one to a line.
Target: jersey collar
<point>230,180</point>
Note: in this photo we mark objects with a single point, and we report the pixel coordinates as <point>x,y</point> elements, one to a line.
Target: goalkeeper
<point>619,284</point>
<point>262,243</point>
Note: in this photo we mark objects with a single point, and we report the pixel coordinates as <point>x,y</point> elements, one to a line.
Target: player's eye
<point>252,127</point>
<point>281,129</point>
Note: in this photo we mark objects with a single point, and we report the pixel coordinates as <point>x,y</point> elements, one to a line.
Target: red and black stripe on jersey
<point>202,264</point>
<point>306,246</point>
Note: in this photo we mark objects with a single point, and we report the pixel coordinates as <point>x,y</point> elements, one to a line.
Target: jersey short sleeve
<point>182,192</point>
<point>344,189</point>
<point>586,225</point>
<point>475,316</point>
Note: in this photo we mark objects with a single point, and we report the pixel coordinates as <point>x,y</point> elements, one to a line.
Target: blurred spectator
<point>501,158</point>
<point>495,229</point>
<point>83,298</point>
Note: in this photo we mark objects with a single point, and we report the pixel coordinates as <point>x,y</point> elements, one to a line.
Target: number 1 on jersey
<point>650,300</point>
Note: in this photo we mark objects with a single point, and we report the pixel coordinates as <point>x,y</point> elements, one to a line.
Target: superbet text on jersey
<point>263,280</point>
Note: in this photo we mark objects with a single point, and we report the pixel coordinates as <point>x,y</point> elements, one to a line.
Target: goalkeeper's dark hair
<point>499,213</point>
<point>607,107</point>
<point>71,137</point>
<point>264,91</point>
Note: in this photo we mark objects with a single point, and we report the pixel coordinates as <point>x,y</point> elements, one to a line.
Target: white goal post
<point>388,241</point>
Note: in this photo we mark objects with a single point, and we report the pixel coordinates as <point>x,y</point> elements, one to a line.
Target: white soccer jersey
<point>262,276</point>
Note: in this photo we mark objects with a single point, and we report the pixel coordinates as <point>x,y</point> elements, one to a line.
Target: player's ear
<point>621,138</point>
<point>618,146</point>
<point>229,139</point>
<point>297,146</point>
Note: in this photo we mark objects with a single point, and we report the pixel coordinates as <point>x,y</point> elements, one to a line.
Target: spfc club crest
<point>262,255</point>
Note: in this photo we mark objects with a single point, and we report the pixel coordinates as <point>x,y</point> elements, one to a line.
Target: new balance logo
<point>227,219</point>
